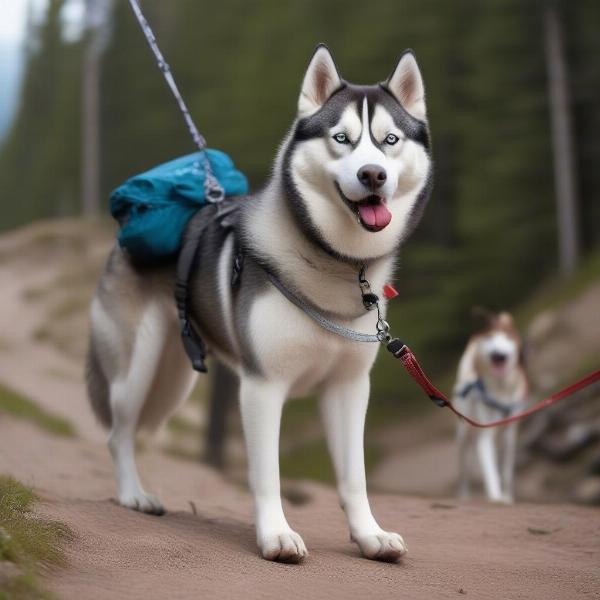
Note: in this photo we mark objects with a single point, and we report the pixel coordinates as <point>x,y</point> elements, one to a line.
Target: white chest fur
<point>292,348</point>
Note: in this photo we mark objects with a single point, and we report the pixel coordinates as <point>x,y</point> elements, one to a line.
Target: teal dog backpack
<point>153,208</point>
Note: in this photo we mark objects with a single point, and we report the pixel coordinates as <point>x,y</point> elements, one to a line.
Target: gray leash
<point>356,336</point>
<point>213,189</point>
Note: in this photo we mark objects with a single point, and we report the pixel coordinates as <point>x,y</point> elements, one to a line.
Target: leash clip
<point>212,188</point>
<point>397,347</point>
<point>383,331</point>
<point>370,300</point>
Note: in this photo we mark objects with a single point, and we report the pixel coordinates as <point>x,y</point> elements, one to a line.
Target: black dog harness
<point>482,394</point>
<point>188,260</point>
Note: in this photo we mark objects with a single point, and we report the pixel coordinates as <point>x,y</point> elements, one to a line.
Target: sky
<point>13,19</point>
<point>14,14</point>
<point>12,23</point>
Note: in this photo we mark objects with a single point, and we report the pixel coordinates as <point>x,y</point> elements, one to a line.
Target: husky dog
<point>492,382</point>
<point>349,184</point>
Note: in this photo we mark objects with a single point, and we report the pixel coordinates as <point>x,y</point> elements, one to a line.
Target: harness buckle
<point>194,346</point>
<point>238,265</point>
<point>438,401</point>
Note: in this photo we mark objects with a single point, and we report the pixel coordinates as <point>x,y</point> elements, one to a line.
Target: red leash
<point>412,366</point>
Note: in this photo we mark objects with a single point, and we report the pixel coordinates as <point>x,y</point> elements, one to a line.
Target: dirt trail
<point>526,551</point>
<point>32,263</point>
<point>204,547</point>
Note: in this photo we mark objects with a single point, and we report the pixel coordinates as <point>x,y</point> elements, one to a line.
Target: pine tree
<point>39,162</point>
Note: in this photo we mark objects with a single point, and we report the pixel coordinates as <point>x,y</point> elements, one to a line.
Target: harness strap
<point>315,315</point>
<point>186,263</point>
<point>469,387</point>
<point>482,394</point>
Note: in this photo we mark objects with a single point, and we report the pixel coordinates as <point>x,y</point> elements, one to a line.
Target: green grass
<point>23,587</point>
<point>180,425</point>
<point>54,330</point>
<point>68,306</point>
<point>311,461</point>
<point>559,291</point>
<point>307,461</point>
<point>182,453</point>
<point>586,365</point>
<point>23,408</point>
<point>27,541</point>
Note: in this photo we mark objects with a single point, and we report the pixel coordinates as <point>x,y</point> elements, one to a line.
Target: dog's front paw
<point>285,546</point>
<point>142,502</point>
<point>383,545</point>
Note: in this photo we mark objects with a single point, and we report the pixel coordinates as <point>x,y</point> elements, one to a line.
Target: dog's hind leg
<point>261,404</point>
<point>173,383</point>
<point>344,406</point>
<point>129,390</point>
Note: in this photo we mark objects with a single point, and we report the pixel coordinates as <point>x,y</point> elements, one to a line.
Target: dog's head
<point>357,163</point>
<point>498,346</point>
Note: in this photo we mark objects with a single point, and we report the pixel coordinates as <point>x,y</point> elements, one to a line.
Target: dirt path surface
<point>204,547</point>
<point>37,267</point>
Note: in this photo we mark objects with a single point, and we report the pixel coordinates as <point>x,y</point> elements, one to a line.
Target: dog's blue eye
<point>391,139</point>
<point>341,138</point>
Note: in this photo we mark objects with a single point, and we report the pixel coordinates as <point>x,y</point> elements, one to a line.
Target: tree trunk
<point>90,142</point>
<point>223,395</point>
<point>562,142</point>
<point>97,30</point>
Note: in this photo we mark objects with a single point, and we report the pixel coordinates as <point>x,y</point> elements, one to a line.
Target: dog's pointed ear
<point>406,84</point>
<point>320,81</point>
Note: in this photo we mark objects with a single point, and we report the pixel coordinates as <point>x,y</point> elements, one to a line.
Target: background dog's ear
<point>505,321</point>
<point>320,81</point>
<point>407,86</point>
<point>482,318</point>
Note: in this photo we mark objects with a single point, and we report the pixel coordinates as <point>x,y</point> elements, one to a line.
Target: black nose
<point>498,358</point>
<point>372,176</point>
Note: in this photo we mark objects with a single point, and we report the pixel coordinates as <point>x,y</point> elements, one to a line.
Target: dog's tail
<point>97,387</point>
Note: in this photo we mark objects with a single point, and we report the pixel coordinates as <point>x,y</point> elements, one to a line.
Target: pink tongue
<point>375,215</point>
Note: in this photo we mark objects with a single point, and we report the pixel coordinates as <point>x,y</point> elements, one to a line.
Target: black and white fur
<point>306,227</point>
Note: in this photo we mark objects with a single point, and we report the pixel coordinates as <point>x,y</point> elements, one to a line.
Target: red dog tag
<point>389,291</point>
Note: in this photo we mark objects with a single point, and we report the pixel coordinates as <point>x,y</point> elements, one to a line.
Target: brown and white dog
<point>491,384</point>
